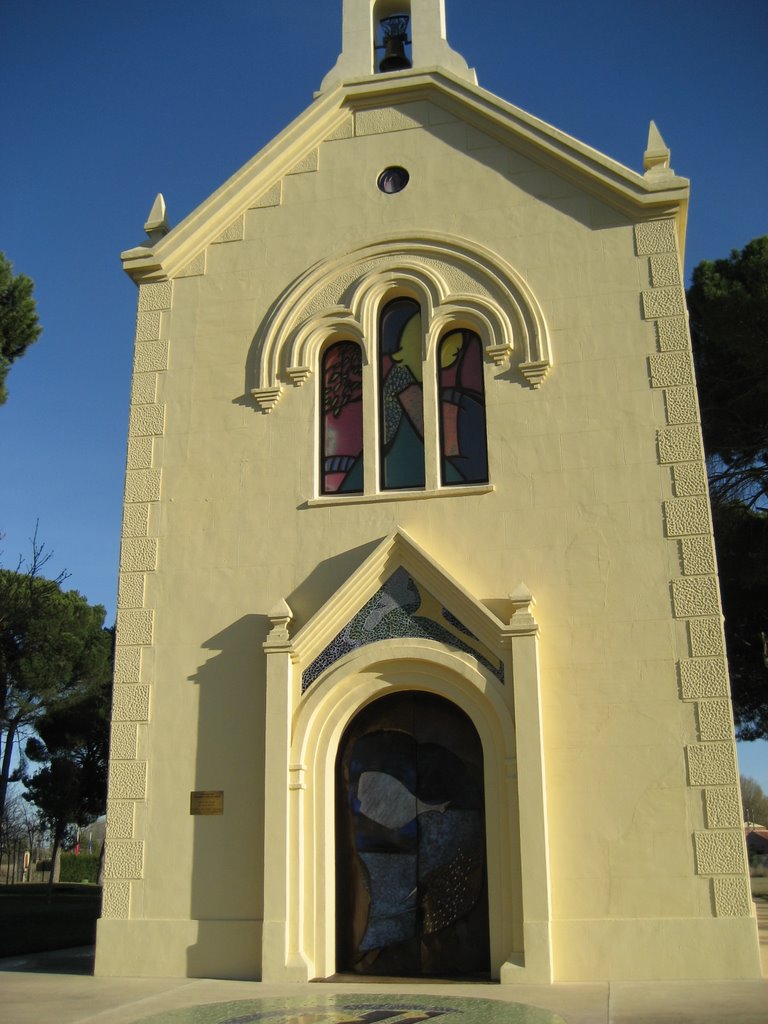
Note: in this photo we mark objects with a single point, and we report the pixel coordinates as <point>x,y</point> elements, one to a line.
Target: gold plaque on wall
<point>206,801</point>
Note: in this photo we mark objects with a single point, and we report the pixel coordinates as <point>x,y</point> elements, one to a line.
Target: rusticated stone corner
<point>155,296</point>
<point>655,236</point>
<point>124,859</point>
<point>142,485</point>
<point>151,357</point>
<point>134,626</point>
<point>689,478</point>
<point>135,520</point>
<point>665,271</point>
<point>694,596</point>
<point>130,704</point>
<point>660,302</point>
<point>723,807</point>
<point>732,897</point>
<point>128,780</point>
<point>703,677</point>
<point>123,742</point>
<point>698,555</point>
<point>706,636</point>
<point>148,325</point>
<point>127,664</point>
<point>670,369</point>
<point>120,819</point>
<point>679,444</point>
<point>686,516</point>
<point>715,720</point>
<point>672,333</point>
<point>140,450</point>
<point>146,420</point>
<point>138,554</point>
<point>712,764</point>
<point>681,405</point>
<point>719,852</point>
<point>130,590</point>
<point>116,899</point>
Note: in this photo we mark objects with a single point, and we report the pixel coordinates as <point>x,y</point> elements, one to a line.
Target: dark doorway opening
<point>411,880</point>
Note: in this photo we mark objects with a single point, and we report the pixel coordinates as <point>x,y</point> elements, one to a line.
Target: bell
<point>394,37</point>
<point>394,58</point>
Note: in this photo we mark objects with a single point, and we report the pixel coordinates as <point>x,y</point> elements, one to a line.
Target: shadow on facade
<point>230,845</point>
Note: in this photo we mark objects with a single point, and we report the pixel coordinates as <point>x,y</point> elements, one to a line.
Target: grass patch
<point>32,921</point>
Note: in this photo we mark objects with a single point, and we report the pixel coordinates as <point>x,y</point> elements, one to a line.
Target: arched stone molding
<point>387,667</point>
<point>302,738</point>
<point>455,279</point>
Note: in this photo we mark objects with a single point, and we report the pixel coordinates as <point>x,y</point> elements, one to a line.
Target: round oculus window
<point>393,179</point>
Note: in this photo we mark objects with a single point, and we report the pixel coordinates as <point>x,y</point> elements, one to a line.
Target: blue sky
<point>105,104</point>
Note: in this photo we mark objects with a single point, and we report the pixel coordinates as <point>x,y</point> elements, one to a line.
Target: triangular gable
<point>331,117</point>
<point>399,592</point>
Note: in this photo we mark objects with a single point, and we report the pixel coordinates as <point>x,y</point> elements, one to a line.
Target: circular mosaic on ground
<point>359,1009</point>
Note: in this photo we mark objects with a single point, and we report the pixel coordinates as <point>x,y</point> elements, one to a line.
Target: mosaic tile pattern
<point>359,1009</point>
<point>399,609</point>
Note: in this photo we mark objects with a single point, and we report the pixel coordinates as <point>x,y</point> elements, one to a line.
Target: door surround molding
<point>303,732</point>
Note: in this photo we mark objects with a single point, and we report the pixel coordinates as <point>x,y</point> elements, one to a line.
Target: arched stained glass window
<point>341,426</point>
<point>401,395</point>
<point>463,447</point>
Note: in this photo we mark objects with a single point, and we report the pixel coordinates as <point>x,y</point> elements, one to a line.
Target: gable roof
<point>640,197</point>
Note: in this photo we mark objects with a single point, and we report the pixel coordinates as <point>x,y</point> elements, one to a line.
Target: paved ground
<point>57,988</point>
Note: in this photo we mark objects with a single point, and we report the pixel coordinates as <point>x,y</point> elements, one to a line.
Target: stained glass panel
<point>401,395</point>
<point>342,419</point>
<point>463,449</point>
<point>411,882</point>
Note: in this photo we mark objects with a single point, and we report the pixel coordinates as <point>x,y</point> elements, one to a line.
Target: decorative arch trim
<point>302,739</point>
<point>456,280</point>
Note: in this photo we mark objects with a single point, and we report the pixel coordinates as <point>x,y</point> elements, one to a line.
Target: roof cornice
<point>638,197</point>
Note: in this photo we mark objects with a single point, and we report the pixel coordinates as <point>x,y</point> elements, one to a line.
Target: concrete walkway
<point>56,988</point>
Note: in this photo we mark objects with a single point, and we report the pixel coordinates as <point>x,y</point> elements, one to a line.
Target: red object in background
<point>77,849</point>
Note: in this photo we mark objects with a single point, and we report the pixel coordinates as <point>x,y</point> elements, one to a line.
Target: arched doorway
<point>411,880</point>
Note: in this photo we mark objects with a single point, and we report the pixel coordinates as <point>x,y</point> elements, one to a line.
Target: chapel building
<point>420,665</point>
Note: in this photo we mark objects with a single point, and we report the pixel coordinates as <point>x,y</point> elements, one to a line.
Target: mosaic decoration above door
<point>411,885</point>
<point>402,608</point>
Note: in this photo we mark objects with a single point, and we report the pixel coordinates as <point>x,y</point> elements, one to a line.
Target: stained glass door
<point>411,882</point>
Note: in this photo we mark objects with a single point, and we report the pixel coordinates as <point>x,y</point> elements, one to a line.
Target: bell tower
<point>387,36</point>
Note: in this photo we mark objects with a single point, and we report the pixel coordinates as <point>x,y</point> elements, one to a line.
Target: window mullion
<point>370,428</point>
<point>431,430</point>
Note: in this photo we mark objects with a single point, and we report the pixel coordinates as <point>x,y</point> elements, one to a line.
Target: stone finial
<point>522,602</point>
<point>279,618</point>
<point>156,224</point>
<point>657,154</point>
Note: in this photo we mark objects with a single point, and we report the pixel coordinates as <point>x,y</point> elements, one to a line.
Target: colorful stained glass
<point>401,395</point>
<point>463,449</point>
<point>412,896</point>
<point>342,419</point>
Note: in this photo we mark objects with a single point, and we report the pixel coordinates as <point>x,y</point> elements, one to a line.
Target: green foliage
<point>74,746</point>
<point>741,539</point>
<point>54,653</point>
<point>728,303</point>
<point>82,867</point>
<point>19,325</point>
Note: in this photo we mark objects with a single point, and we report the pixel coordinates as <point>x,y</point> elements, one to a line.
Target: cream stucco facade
<point>583,570</point>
